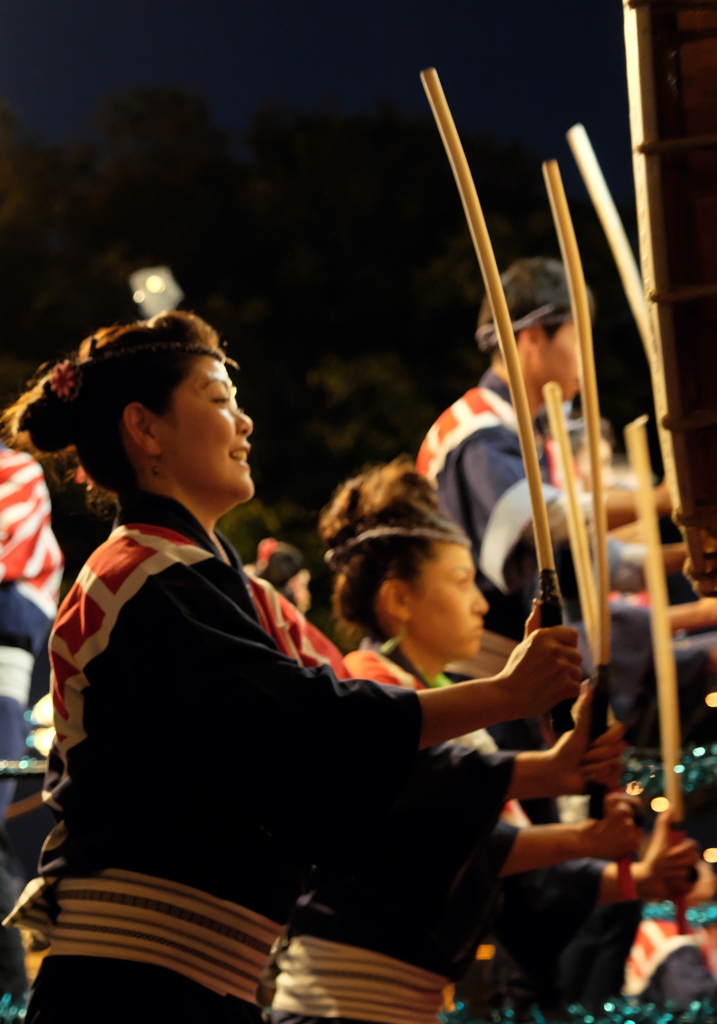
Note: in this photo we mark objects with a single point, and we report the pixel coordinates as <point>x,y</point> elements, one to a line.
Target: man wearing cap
<point>472,452</point>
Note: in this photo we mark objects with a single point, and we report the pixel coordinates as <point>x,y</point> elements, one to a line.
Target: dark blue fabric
<point>13,737</point>
<point>683,976</point>
<point>426,889</point>
<point>272,765</point>
<point>475,475</point>
<point>93,990</point>
<point>592,966</point>
<point>22,624</point>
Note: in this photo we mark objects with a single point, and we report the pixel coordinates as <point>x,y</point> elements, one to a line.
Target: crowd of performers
<point>341,859</point>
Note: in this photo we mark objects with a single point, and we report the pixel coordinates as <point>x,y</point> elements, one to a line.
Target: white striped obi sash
<point>124,915</point>
<point>329,979</point>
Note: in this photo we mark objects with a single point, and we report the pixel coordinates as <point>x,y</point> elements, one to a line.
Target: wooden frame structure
<point>671,50</point>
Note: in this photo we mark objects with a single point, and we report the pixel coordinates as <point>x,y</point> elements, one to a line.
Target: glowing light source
<point>711,699</point>
<point>659,803</point>
<point>634,789</point>
<point>41,740</point>
<point>485,951</point>
<point>710,855</point>
<point>42,711</point>
<point>154,289</point>
<point>155,284</point>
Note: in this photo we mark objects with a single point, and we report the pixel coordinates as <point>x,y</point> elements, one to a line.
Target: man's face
<point>557,359</point>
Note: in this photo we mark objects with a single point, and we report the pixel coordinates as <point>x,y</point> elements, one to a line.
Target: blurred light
<point>42,711</point>
<point>710,855</point>
<point>699,752</point>
<point>660,803</point>
<point>155,284</point>
<point>634,789</point>
<point>155,290</point>
<point>711,699</point>
<point>41,741</point>
<point>485,951</point>
<point>678,769</point>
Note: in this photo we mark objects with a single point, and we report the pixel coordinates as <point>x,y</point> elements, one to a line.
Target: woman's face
<point>203,441</point>
<point>445,606</point>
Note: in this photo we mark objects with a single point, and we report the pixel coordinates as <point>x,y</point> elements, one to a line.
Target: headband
<point>451,535</point>
<point>544,316</point>
<point>66,377</point>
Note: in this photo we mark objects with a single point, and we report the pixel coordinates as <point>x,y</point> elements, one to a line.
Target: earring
<point>390,646</point>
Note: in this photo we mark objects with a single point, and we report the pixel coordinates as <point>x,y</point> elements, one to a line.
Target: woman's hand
<point>664,873</point>
<point>543,669</point>
<point>617,834</point>
<point>574,760</point>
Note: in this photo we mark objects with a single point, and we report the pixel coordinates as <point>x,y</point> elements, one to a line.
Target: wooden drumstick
<point>663,653</point>
<point>669,705</point>
<point>614,231</point>
<point>577,531</point>
<point>591,417</point>
<point>590,404</point>
<point>549,588</point>
<point>631,281</point>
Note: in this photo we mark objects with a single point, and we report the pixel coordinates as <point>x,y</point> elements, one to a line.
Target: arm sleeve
<point>627,565</point>
<point>543,909</point>
<point>24,507</point>
<point>316,759</point>
<point>446,816</point>
<point>496,505</point>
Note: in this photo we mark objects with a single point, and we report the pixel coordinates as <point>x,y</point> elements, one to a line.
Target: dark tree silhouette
<point>330,251</point>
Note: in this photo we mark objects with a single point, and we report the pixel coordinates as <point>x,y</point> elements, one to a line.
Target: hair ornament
<point>451,535</point>
<point>65,380</point>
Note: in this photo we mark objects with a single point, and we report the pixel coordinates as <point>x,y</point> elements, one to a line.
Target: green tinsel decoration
<point>697,768</point>
<point>10,1012</point>
<point>616,1011</point>
<point>704,914</point>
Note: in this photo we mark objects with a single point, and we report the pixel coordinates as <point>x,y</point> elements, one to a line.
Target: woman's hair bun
<point>49,419</point>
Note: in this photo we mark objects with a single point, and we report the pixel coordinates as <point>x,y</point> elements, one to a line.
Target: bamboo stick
<point>577,531</point>
<point>501,315</point>
<point>590,403</point>
<point>669,707</point>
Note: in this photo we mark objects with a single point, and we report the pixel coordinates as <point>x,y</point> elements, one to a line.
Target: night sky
<point>522,69</point>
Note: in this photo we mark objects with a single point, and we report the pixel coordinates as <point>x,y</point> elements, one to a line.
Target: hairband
<point>451,535</point>
<point>487,336</point>
<point>66,376</point>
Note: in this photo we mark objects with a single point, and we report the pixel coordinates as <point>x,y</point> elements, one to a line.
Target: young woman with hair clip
<point>161,894</point>
<point>379,940</point>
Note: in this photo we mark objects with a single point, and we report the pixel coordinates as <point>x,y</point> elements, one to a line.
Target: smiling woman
<point>197,452</point>
<point>171,890</point>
